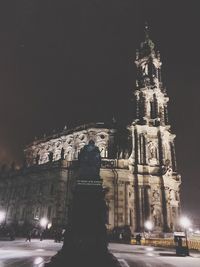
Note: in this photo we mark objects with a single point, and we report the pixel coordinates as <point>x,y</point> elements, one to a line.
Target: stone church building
<point>138,169</point>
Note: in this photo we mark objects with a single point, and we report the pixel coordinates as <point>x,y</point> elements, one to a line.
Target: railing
<point>193,244</point>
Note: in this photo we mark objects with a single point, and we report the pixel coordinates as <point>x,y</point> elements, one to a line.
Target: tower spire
<point>151,99</point>
<point>153,157</point>
<point>148,63</point>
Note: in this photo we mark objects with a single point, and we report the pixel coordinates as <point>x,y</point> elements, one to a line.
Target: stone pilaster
<point>173,156</point>
<point>126,191</point>
<point>140,195</point>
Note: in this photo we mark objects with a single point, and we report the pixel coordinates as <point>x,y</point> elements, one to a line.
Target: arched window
<point>154,107</point>
<point>141,106</point>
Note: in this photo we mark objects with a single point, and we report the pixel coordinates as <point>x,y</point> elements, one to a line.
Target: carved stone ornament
<point>156,195</point>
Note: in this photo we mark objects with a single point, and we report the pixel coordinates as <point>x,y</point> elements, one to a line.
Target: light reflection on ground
<point>19,253</point>
<point>39,261</point>
<point>150,254</point>
<point>149,248</point>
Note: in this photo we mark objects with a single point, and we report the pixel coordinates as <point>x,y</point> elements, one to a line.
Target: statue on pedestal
<point>85,241</point>
<point>89,162</point>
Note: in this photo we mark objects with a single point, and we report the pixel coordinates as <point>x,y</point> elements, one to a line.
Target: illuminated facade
<point>139,168</point>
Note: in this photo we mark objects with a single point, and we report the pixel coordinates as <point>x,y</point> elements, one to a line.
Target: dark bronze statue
<point>86,241</point>
<point>89,162</point>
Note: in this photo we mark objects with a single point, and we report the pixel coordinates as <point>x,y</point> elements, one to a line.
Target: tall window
<point>142,106</point>
<point>142,149</point>
<point>154,107</point>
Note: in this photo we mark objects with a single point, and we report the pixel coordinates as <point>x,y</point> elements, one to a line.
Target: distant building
<point>139,168</point>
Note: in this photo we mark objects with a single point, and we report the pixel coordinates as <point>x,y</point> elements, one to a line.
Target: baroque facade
<point>138,169</point>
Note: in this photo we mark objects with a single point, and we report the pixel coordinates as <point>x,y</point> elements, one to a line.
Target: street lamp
<point>185,223</point>
<point>2,216</point>
<point>43,222</point>
<point>49,225</point>
<point>149,226</point>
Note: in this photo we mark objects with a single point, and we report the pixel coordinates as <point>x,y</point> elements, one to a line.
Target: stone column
<point>139,149</point>
<point>144,149</point>
<point>141,202</point>
<point>148,108</point>
<point>160,146</point>
<point>173,156</point>
<point>132,156</point>
<point>166,114</point>
<point>135,209</point>
<point>115,184</point>
<point>168,212</point>
<point>147,202</point>
<point>136,150</point>
<point>145,107</point>
<point>162,116</point>
<point>137,107</point>
<point>126,213</point>
<point>155,103</point>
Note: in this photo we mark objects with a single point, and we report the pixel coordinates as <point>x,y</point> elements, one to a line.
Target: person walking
<point>138,239</point>
<point>42,235</point>
<point>28,236</point>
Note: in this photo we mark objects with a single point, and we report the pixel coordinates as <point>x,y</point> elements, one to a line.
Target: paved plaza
<point>19,253</point>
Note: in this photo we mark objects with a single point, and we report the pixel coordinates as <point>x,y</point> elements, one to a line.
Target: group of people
<point>57,234</point>
<point>138,238</point>
<point>31,233</point>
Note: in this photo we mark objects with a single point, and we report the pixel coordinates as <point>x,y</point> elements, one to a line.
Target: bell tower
<point>151,98</point>
<point>153,159</point>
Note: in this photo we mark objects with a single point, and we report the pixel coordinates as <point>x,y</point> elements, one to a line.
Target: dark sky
<point>65,62</point>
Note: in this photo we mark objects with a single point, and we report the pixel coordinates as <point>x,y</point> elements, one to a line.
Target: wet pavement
<point>19,253</point>
<point>147,256</point>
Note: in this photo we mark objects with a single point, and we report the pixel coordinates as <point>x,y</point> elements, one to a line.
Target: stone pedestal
<point>85,242</point>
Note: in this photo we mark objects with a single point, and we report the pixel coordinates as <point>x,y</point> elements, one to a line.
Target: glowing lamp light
<point>43,222</point>
<point>38,260</point>
<point>49,225</point>
<point>185,222</point>
<point>2,216</point>
<point>148,225</point>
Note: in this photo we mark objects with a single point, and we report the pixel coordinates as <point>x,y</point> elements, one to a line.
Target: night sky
<point>72,61</point>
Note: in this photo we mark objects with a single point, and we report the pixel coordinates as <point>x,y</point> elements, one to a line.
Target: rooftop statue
<point>89,162</point>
